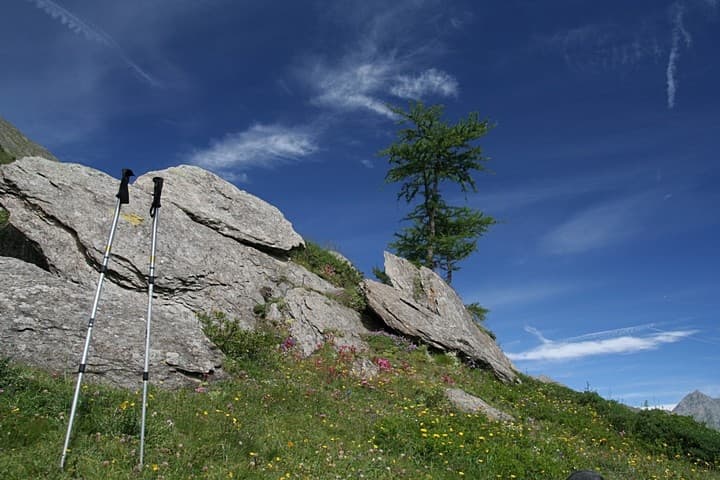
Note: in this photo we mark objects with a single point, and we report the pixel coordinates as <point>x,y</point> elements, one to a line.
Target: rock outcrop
<point>60,214</point>
<point>421,305</point>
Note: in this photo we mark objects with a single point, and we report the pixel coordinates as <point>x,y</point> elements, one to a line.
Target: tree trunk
<point>430,211</point>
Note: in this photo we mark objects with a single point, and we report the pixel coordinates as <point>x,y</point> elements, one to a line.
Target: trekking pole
<point>123,197</point>
<point>151,283</point>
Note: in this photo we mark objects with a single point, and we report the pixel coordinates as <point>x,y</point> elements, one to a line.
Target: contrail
<point>90,32</point>
<point>679,33</point>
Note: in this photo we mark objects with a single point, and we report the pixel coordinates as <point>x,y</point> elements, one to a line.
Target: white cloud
<point>353,86</point>
<point>90,32</point>
<point>679,33</point>
<point>573,349</point>
<point>259,146</point>
<point>363,83</point>
<point>431,81</point>
<point>384,61</point>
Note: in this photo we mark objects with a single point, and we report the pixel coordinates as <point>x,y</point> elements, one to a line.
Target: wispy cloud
<point>353,86</point>
<point>380,64</point>
<point>91,32</point>
<point>431,81</point>
<point>680,36</point>
<point>599,226</point>
<point>366,84</point>
<point>259,146</point>
<point>604,46</point>
<point>610,342</point>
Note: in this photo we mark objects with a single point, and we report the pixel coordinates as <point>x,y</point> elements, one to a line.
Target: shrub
<point>660,431</point>
<point>381,275</point>
<point>677,435</point>
<point>245,348</point>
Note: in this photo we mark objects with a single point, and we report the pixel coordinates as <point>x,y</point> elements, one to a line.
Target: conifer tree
<point>429,154</point>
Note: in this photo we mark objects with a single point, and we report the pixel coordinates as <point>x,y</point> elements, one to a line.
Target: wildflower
<point>288,343</point>
<point>383,364</point>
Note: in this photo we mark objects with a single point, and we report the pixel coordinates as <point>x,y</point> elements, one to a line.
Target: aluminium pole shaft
<point>122,198</point>
<point>154,213</point>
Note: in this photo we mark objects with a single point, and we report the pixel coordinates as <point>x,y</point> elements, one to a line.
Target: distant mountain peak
<point>701,407</point>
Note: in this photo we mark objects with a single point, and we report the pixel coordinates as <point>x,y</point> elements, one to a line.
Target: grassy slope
<point>285,417</point>
<point>13,144</point>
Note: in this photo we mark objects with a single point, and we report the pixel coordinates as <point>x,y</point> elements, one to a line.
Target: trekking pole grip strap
<point>157,192</point>
<point>123,194</point>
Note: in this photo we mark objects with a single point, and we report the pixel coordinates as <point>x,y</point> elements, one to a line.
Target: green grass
<point>336,271</point>
<point>289,417</point>
<point>5,157</point>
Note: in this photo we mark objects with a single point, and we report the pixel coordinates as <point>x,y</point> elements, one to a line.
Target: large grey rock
<point>43,322</point>
<point>221,206</point>
<point>420,304</point>
<point>65,210</point>
<point>467,403</point>
<point>314,316</point>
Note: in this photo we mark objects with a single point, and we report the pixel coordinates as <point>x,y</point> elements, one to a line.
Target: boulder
<point>44,323</point>
<point>421,305</point>
<point>221,206</point>
<point>314,317</point>
<point>467,403</point>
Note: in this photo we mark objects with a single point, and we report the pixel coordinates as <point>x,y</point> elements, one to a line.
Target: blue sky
<point>604,272</point>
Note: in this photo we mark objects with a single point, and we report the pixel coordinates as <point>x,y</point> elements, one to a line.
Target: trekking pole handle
<point>157,192</point>
<point>123,194</point>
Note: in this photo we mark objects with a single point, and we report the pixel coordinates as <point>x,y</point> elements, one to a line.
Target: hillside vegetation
<point>286,417</point>
<point>14,145</point>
